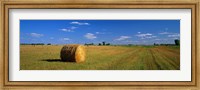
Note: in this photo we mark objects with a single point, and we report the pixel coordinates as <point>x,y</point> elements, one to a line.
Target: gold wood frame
<point>6,5</point>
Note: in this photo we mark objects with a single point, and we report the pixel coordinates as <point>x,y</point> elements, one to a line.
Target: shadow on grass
<point>53,60</point>
<point>56,60</point>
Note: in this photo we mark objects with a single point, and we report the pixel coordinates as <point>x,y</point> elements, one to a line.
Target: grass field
<point>102,58</point>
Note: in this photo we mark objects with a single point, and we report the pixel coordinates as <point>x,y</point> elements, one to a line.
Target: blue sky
<point>145,32</point>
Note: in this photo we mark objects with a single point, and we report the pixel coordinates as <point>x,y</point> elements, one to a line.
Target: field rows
<point>103,58</point>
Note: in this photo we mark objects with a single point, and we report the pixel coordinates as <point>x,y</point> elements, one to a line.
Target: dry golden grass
<point>102,58</point>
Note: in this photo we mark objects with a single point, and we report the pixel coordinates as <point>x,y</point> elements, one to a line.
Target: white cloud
<point>90,36</point>
<point>123,38</point>
<point>149,37</point>
<point>157,39</point>
<point>69,29</point>
<point>100,33</point>
<point>143,35</point>
<point>66,39</point>
<point>139,32</point>
<point>174,35</point>
<point>79,23</point>
<point>165,33</point>
<point>129,41</point>
<point>66,30</point>
<point>36,35</point>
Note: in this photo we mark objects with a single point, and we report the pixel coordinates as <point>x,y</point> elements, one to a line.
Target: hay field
<point>102,58</point>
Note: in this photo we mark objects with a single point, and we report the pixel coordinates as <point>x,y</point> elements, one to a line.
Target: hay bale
<point>73,53</point>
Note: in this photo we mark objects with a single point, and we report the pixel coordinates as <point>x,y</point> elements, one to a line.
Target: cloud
<point>165,33</point>
<point>145,35</point>
<point>36,35</point>
<point>148,37</point>
<point>174,35</point>
<point>171,35</point>
<point>66,39</point>
<point>151,37</point>
<point>100,33</point>
<point>69,29</point>
<point>90,36</point>
<point>122,38</point>
<point>66,30</point>
<point>79,23</point>
<point>139,32</point>
<point>157,39</point>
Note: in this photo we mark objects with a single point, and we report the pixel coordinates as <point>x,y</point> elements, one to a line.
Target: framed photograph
<point>100,44</point>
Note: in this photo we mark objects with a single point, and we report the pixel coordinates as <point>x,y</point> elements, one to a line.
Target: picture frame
<point>194,6</point>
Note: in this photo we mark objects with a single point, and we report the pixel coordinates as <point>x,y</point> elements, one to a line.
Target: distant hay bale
<point>73,53</point>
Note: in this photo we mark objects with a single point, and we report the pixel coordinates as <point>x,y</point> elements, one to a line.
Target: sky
<point>140,32</point>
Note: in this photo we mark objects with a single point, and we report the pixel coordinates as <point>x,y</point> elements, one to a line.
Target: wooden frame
<point>167,5</point>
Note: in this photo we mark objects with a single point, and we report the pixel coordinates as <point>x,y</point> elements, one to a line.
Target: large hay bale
<point>73,53</point>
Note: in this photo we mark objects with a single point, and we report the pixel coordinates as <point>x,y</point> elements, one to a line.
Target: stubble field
<point>47,57</point>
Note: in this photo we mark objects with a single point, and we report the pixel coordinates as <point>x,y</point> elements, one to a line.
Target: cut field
<point>102,58</point>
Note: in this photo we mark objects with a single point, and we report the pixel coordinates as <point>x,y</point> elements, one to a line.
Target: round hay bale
<point>73,53</point>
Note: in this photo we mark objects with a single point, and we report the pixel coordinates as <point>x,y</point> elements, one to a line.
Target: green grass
<point>102,58</point>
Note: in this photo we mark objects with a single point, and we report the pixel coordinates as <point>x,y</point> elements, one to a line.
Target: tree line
<point>177,43</point>
<point>35,44</point>
<point>99,44</point>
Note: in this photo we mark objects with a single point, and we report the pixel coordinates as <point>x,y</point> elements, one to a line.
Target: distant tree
<point>99,44</point>
<point>87,44</point>
<point>129,44</point>
<point>177,42</point>
<point>49,44</point>
<point>154,44</point>
<point>104,43</point>
<point>108,44</point>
